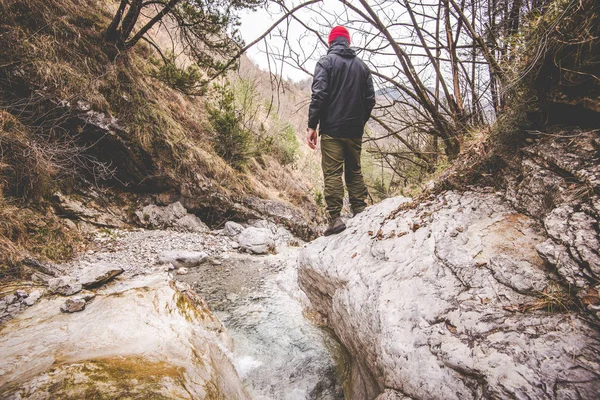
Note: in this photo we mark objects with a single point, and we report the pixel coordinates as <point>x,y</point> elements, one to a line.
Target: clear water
<point>279,353</point>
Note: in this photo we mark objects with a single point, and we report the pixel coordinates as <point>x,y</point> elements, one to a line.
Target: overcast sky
<point>256,23</point>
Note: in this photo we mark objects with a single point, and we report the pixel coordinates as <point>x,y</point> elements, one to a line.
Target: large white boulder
<point>449,299</point>
<point>143,338</point>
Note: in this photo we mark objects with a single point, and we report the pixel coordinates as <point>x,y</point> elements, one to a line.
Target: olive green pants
<point>341,156</point>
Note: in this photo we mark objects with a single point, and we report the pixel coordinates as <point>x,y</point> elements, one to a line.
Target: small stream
<point>279,353</point>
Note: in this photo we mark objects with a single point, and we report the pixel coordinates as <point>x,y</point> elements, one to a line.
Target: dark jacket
<point>342,93</point>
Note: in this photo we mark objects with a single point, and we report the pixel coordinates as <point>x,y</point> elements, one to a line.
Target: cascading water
<point>279,353</point>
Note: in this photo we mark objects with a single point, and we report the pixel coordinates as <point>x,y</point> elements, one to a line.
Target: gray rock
<point>182,271</point>
<point>99,274</point>
<point>10,299</point>
<point>263,223</point>
<point>21,294</point>
<point>232,229</point>
<point>32,298</point>
<point>180,258</point>
<point>161,217</point>
<point>555,183</point>
<point>73,304</point>
<point>256,240</point>
<point>87,212</point>
<point>64,285</point>
<point>191,223</point>
<point>173,216</point>
<point>429,301</point>
<point>45,268</point>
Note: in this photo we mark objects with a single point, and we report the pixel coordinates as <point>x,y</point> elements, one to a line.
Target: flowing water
<point>279,353</point>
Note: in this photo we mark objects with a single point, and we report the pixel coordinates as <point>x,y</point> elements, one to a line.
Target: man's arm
<point>370,99</point>
<point>320,92</point>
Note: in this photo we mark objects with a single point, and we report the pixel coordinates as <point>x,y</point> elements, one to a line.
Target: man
<point>342,101</point>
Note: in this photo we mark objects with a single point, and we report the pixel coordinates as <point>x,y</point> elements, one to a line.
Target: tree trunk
<point>112,32</point>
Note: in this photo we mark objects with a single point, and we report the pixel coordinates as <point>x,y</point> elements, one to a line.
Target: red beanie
<point>337,32</point>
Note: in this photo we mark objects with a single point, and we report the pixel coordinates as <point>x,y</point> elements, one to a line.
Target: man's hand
<point>311,138</point>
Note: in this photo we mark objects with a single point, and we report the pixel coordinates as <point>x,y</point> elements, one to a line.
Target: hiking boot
<point>357,211</point>
<point>336,225</point>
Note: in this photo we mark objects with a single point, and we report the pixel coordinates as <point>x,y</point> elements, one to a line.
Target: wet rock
<point>183,258</point>
<point>64,285</point>
<point>32,298</point>
<point>232,229</point>
<point>434,315</point>
<point>73,304</point>
<point>168,343</point>
<point>256,240</point>
<point>98,274</point>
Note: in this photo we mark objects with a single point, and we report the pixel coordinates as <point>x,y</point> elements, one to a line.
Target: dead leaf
<point>354,255</point>
<point>591,297</point>
<point>485,300</point>
<point>451,327</point>
<point>402,234</point>
<point>370,233</point>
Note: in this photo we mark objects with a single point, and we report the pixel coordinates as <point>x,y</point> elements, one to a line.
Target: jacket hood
<point>340,47</point>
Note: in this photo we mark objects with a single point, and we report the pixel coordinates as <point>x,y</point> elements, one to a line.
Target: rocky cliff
<point>484,293</point>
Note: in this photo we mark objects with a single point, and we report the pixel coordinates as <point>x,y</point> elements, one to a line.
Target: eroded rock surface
<point>449,299</point>
<point>143,338</point>
<point>557,182</point>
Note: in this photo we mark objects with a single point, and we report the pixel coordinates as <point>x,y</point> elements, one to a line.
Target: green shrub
<point>188,80</point>
<point>286,144</point>
<point>231,142</point>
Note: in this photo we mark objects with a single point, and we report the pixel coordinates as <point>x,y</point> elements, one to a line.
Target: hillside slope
<point>102,129</point>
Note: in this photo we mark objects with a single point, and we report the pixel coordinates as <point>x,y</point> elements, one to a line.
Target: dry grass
<point>26,232</point>
<point>53,55</point>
